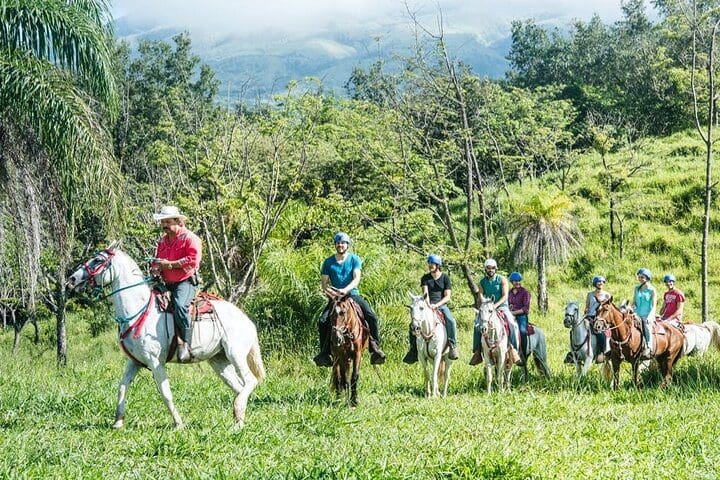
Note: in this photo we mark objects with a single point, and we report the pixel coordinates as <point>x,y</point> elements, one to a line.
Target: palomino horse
<point>229,343</point>
<point>431,346</point>
<point>349,341</point>
<point>698,337</point>
<point>626,342</point>
<point>583,343</point>
<point>494,344</point>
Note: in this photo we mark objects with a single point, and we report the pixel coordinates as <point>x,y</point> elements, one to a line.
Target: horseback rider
<point>673,302</point>
<point>644,304</point>
<point>495,287</point>
<point>177,260</point>
<point>341,276</point>
<point>592,301</point>
<point>436,288</point>
<point>519,301</point>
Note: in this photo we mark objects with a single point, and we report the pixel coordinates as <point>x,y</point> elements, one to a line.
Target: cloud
<point>288,18</point>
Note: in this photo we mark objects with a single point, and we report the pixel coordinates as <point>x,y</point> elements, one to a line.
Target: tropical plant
<point>546,232</point>
<point>56,88</point>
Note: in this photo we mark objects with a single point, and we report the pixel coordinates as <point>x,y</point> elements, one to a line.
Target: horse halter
<point>92,268</point>
<point>342,332</point>
<point>416,322</point>
<point>572,319</point>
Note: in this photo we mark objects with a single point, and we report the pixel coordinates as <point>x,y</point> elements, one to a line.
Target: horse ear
<point>476,311</point>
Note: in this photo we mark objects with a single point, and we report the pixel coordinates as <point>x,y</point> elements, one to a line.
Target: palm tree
<point>56,88</point>
<point>546,232</point>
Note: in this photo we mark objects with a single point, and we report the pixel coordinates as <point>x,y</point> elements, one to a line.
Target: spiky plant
<point>546,232</point>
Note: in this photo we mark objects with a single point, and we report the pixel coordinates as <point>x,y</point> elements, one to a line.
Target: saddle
<point>506,325</point>
<point>440,315</point>
<point>530,329</point>
<point>201,307</point>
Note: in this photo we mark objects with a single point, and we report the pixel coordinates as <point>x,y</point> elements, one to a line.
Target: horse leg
<point>616,372</point>
<point>226,371</point>
<point>238,358</point>
<point>488,372</point>
<point>436,372</point>
<point>354,379</point>
<point>447,363</point>
<point>163,385</point>
<point>131,369</point>
<point>587,363</point>
<point>337,377</point>
<point>426,373</point>
<point>636,373</point>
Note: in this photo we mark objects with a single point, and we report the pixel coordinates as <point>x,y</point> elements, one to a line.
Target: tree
<point>56,89</point>
<point>697,24</point>
<point>546,233</point>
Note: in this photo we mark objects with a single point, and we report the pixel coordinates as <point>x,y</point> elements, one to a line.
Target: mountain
<point>260,65</point>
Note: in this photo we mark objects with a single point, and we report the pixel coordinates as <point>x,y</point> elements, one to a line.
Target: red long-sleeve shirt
<point>185,248</point>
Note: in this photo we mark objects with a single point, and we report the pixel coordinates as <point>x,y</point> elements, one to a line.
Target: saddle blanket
<point>201,307</point>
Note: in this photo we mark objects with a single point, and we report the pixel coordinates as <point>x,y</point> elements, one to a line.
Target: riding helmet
<point>515,277</point>
<point>669,278</point>
<point>341,237</point>
<point>598,278</point>
<point>645,273</point>
<point>432,258</point>
<point>490,262</point>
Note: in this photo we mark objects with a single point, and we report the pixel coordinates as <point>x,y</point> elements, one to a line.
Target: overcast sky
<point>288,17</point>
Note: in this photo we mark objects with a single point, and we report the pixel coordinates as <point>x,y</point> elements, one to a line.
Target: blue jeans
<point>181,294</point>
<point>522,321</point>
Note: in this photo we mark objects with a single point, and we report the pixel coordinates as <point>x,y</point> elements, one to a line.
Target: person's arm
<point>325,285</point>
<point>190,261</point>
<point>353,283</point>
<point>587,301</point>
<point>447,293</point>
<point>662,310</point>
<point>654,300</point>
<point>525,305</point>
<point>679,312</point>
<point>504,290</point>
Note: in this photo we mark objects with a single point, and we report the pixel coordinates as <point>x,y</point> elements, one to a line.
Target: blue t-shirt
<point>341,274</point>
<point>643,300</point>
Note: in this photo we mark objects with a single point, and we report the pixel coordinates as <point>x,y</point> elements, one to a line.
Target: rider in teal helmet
<point>340,276</point>
<point>644,304</point>
<point>437,290</point>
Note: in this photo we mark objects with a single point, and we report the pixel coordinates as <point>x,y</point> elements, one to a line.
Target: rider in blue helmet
<point>673,302</point>
<point>592,301</point>
<point>519,302</point>
<point>644,304</point>
<point>340,276</point>
<point>437,290</point>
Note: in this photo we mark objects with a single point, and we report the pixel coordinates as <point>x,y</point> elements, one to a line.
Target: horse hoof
<point>179,426</point>
<point>118,424</point>
<point>239,425</point>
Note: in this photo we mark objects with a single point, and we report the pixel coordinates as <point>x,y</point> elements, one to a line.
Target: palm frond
<point>73,35</point>
<point>36,94</point>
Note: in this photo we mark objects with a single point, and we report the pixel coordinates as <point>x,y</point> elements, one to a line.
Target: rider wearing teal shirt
<point>644,302</point>
<point>495,286</point>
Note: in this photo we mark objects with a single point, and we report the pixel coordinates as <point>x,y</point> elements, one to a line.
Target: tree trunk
<point>542,297</point>
<point>612,219</point>
<point>621,235</point>
<point>60,299</point>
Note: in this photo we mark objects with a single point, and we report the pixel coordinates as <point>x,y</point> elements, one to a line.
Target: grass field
<point>55,423</point>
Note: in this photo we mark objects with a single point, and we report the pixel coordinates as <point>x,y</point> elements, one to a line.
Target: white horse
<point>698,337</point>
<point>432,346</point>
<point>583,343</point>
<point>494,344</point>
<point>229,342</point>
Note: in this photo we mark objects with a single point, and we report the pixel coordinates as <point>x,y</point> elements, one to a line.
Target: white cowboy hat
<point>168,211</point>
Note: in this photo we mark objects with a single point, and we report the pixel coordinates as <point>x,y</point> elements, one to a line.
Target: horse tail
<point>714,328</point>
<point>255,361</point>
<point>540,353</point>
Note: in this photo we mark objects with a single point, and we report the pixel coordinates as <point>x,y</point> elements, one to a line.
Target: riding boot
<point>412,355</point>
<point>184,353</point>
<point>453,353</point>
<point>477,357</point>
<point>323,359</point>
<point>377,356</point>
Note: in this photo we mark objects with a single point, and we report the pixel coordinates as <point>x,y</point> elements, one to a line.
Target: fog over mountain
<point>259,47</point>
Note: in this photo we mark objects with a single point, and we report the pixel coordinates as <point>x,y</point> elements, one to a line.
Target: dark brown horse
<point>626,342</point>
<point>348,342</point>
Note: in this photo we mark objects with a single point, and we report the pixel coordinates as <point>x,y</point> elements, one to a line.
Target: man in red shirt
<point>177,260</point>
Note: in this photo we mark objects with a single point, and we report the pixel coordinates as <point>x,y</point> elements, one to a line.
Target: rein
<point>616,327</point>
<point>577,321</point>
<point>495,345</point>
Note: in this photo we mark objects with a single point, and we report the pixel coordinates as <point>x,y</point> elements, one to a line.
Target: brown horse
<point>349,341</point>
<point>626,342</point>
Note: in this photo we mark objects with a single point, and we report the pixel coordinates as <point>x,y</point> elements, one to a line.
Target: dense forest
<point>541,168</point>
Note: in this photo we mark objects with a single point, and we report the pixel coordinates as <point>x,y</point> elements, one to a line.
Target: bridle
<point>572,321</point>
<point>485,335</point>
<point>610,328</point>
<point>342,331</point>
<point>416,322</point>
